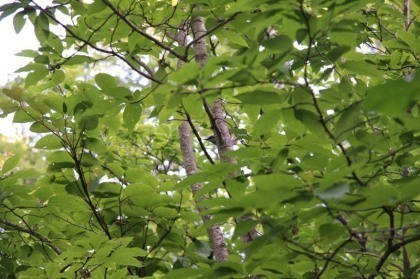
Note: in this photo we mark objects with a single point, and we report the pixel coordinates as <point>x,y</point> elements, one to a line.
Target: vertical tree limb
<point>407,14</point>
<point>217,116</point>
<point>214,232</point>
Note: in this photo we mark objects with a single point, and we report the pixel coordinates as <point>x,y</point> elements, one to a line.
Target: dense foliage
<point>321,98</point>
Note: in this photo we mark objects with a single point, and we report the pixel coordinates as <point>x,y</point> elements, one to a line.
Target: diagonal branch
<point>144,65</point>
<point>87,42</point>
<point>143,33</point>
<point>314,98</point>
<point>30,231</point>
<point>391,249</point>
<point>200,141</point>
<point>211,30</point>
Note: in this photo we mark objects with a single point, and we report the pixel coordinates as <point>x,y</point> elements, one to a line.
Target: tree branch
<point>314,99</point>
<point>111,52</point>
<point>211,30</point>
<point>200,141</point>
<point>143,33</point>
<point>43,239</point>
<point>391,249</point>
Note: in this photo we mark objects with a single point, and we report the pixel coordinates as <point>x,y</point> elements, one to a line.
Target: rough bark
<point>407,14</point>
<point>216,114</point>
<point>215,234</point>
<point>200,46</point>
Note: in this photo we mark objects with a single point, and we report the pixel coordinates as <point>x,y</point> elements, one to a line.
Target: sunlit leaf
<point>42,29</point>
<point>131,115</point>
<point>10,163</point>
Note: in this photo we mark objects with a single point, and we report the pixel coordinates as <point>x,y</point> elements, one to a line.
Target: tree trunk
<point>220,128</point>
<point>214,232</point>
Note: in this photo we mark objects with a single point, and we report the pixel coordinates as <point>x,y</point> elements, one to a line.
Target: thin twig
<point>200,141</point>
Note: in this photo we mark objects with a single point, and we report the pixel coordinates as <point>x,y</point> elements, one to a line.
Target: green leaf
<point>105,81</point>
<point>188,71</point>
<point>10,163</point>
<point>27,174</point>
<point>22,117</point>
<point>42,59</point>
<point>58,76</point>
<point>89,122</point>
<point>28,53</point>
<point>71,203</point>
<point>348,121</point>
<point>276,181</point>
<point>311,122</point>
<point>185,273</point>
<point>8,9</point>
<point>55,103</point>
<point>213,171</point>
<point>34,77</point>
<point>120,273</point>
<point>88,160</point>
<point>278,44</point>
<point>79,59</point>
<point>361,68</point>
<point>246,152</point>
<point>165,212</point>
<point>16,93</point>
<point>131,115</point>
<point>267,122</point>
<point>260,98</point>
<point>96,7</point>
<point>122,259</point>
<point>408,188</point>
<point>335,192</point>
<point>337,52</point>
<point>95,145</point>
<point>301,95</point>
<point>107,190</point>
<point>389,99</point>
<point>140,175</point>
<point>410,39</point>
<point>39,128</point>
<point>115,168</point>
<point>301,34</point>
<point>331,231</point>
<point>234,37</point>
<point>19,21</point>
<point>49,142</point>
<point>220,270</point>
<point>118,92</point>
<point>59,157</point>
<point>42,29</point>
